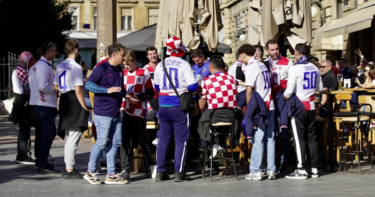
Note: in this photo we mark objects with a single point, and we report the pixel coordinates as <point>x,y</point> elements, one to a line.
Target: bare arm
<point>80,97</point>
<point>241,83</point>
<point>202,104</point>
<point>249,91</point>
<point>324,97</point>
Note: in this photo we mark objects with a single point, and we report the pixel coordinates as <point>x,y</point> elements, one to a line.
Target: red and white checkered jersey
<point>258,77</point>
<point>19,79</point>
<point>279,72</point>
<point>151,70</point>
<point>135,83</point>
<point>304,80</point>
<point>220,91</point>
<point>181,75</point>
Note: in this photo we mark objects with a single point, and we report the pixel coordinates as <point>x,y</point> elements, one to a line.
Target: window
<point>238,21</point>
<point>95,22</point>
<point>152,16</point>
<point>126,19</point>
<point>339,9</point>
<point>75,16</point>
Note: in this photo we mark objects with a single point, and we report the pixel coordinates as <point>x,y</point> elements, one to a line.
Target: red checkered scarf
<point>22,74</point>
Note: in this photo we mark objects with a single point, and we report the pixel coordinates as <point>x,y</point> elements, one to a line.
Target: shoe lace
<point>95,176</point>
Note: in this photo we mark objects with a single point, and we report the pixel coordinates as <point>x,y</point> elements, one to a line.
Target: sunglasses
<point>323,66</point>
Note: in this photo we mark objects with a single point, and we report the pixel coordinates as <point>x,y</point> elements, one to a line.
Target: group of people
<point>266,90</point>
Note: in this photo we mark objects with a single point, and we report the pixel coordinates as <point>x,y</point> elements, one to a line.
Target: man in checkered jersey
<point>218,91</point>
<point>137,83</point>
<point>257,79</point>
<point>171,117</point>
<point>152,55</point>
<point>304,80</point>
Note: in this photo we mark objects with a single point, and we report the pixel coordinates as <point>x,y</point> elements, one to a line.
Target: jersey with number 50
<point>181,75</point>
<point>258,77</point>
<point>304,80</point>
<point>68,75</point>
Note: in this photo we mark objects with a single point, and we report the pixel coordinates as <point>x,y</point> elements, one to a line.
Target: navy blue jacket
<point>256,113</point>
<point>286,108</point>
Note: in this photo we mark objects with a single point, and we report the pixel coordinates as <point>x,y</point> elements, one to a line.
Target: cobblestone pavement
<point>22,180</point>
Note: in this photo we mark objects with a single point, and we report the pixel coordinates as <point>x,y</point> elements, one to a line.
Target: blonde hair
<point>130,56</point>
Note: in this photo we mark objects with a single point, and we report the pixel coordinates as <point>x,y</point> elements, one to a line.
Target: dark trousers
<point>303,127</point>
<point>47,117</point>
<point>134,128</point>
<point>172,119</point>
<point>37,124</point>
<point>23,142</point>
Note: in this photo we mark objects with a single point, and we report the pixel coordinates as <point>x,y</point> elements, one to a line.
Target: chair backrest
<point>367,99</point>
<point>343,97</point>
<point>223,115</point>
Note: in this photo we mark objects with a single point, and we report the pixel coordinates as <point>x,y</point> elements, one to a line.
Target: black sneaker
<point>162,176</point>
<point>181,176</point>
<point>49,165</point>
<point>48,171</point>
<point>25,160</point>
<point>71,175</point>
<point>103,166</point>
<point>283,168</point>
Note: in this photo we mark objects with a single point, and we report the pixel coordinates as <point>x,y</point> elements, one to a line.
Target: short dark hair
<point>70,45</point>
<point>38,53</point>
<point>195,53</point>
<point>217,62</point>
<point>247,49</point>
<point>272,41</point>
<point>47,46</point>
<point>151,48</point>
<point>113,48</point>
<point>259,47</point>
<point>302,48</point>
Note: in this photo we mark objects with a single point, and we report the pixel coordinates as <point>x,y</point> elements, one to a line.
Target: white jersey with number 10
<point>258,76</point>
<point>68,75</point>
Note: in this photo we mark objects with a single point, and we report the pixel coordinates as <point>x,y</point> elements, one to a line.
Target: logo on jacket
<point>139,80</point>
<point>130,88</point>
<point>204,70</point>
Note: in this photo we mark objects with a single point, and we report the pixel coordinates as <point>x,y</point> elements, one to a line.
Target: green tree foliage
<point>26,24</point>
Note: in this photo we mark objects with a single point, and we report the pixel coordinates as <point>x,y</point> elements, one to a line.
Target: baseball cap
<point>175,47</point>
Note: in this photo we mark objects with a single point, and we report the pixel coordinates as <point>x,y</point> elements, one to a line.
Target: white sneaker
<point>216,150</point>
<point>271,175</point>
<point>254,176</point>
<point>153,171</point>
<point>314,173</point>
<point>155,142</point>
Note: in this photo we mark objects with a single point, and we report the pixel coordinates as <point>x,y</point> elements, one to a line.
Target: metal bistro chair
<point>216,129</point>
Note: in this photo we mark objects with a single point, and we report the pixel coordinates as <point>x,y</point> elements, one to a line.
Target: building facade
<point>356,29</point>
<point>131,15</point>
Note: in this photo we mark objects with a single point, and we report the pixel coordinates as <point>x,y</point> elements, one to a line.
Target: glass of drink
<point>340,78</point>
<point>198,78</point>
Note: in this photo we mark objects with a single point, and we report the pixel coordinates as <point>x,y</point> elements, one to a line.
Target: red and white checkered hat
<point>175,47</point>
<point>25,57</point>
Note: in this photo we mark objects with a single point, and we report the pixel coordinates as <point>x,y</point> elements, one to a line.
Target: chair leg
<point>225,157</point>
<point>342,146</point>
<point>357,145</point>
<point>205,151</point>
<point>211,158</point>
<point>233,163</point>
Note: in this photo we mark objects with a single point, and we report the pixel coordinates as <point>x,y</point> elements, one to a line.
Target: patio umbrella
<point>162,28</point>
<point>278,11</point>
<point>254,19</point>
<point>303,29</point>
<point>269,25</point>
<point>189,36</point>
<point>211,23</point>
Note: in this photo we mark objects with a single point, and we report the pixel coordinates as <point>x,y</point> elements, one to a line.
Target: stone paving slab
<point>22,180</point>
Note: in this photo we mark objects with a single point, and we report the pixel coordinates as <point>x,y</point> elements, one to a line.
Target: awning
<point>320,43</point>
<point>357,20</point>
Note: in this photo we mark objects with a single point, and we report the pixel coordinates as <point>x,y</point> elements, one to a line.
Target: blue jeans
<point>264,135</point>
<point>47,116</point>
<point>107,128</point>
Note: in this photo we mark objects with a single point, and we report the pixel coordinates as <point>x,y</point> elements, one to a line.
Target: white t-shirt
<point>304,80</point>
<point>68,75</point>
<point>232,72</point>
<point>258,77</point>
<point>181,75</point>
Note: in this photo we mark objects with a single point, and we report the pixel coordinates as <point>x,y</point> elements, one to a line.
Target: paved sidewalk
<point>22,180</point>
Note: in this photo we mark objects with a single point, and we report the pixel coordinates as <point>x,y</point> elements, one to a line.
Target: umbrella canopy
<point>140,40</point>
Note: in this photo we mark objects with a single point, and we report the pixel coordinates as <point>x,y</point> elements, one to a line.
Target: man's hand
<point>286,98</point>
<point>113,90</point>
<point>131,99</point>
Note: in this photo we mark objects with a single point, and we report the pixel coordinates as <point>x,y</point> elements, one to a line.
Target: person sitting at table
<point>370,78</point>
<point>328,77</point>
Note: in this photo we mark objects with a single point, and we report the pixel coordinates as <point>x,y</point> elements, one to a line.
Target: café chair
<point>226,128</point>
